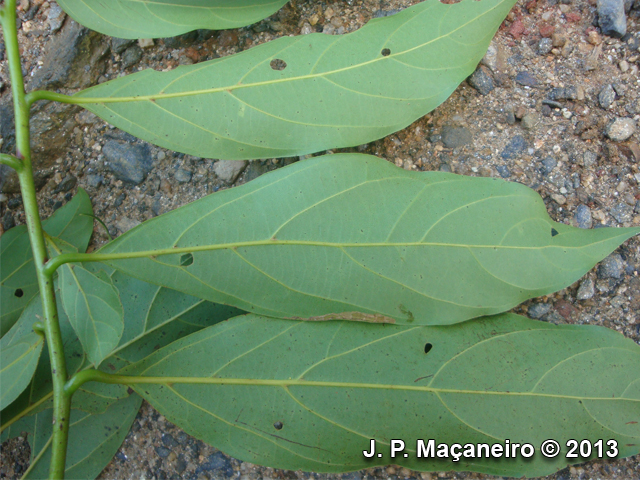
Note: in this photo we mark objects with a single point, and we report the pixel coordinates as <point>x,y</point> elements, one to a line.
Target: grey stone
<point>131,56</point>
<point>586,290</point>
<point>611,267</point>
<point>218,462</point>
<point>538,310</point>
<point>119,45</point>
<point>620,129</point>
<point>66,184</point>
<point>590,158</point>
<point>622,212</point>
<point>8,222</point>
<point>454,137</point>
<point>563,93</point>
<point>181,41</point>
<point>490,58</point>
<point>255,169</point>
<point>183,176</point>
<point>55,17</point>
<point>545,46</point>
<point>583,216</point>
<point>94,180</point>
<point>515,147</point>
<point>163,452</point>
<point>606,96</point>
<point>74,58</point>
<point>129,163</point>
<point>169,441</point>
<point>229,170</point>
<point>482,81</point>
<point>526,79</point>
<point>548,164</point>
<point>503,170</point>
<point>611,17</point>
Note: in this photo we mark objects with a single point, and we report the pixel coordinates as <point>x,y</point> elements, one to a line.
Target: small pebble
<point>482,81</point>
<point>606,96</point>
<point>454,137</point>
<point>183,176</point>
<point>621,129</point>
<point>229,170</point>
<point>545,46</point>
<point>538,310</point>
<point>611,267</point>
<point>622,212</point>
<point>611,17</point>
<point>624,66</point>
<point>586,290</point>
<point>548,164</point>
<point>583,216</point>
<point>145,42</point>
<point>503,170</point>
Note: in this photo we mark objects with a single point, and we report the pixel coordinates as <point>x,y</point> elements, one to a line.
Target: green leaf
<point>93,439</point>
<point>353,234</point>
<point>94,309</point>
<point>20,350</point>
<point>310,396</point>
<point>72,223</point>
<point>154,317</point>
<point>335,91</point>
<point>166,18</point>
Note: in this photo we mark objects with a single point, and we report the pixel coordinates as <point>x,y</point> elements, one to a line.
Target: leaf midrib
<point>168,381</point>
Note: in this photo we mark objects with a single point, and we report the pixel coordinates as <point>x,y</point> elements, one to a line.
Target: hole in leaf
<point>18,293</point>
<point>186,260</point>
<point>427,347</point>
<point>278,64</point>
<point>385,52</point>
<point>278,425</point>
<point>554,232</point>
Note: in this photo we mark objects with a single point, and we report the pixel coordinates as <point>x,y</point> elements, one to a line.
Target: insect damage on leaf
<point>352,316</point>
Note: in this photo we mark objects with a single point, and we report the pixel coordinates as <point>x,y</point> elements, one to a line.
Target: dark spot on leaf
<point>427,347</point>
<point>554,232</point>
<point>130,391</point>
<point>278,64</point>
<point>186,260</point>
<point>278,425</point>
<point>18,293</point>
<point>385,52</point>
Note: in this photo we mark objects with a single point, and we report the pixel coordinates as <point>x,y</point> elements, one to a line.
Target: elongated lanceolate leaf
<point>354,234</point>
<point>20,350</point>
<point>166,18</point>
<point>93,439</point>
<point>312,396</point>
<point>335,91</point>
<point>72,223</point>
<point>94,309</point>
<point>154,317</point>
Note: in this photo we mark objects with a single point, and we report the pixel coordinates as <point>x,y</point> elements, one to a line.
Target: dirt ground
<point>540,113</point>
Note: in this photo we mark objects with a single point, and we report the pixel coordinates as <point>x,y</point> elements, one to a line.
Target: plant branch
<point>11,161</point>
<point>61,401</point>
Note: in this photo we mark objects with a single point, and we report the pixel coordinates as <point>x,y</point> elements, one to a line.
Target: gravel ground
<point>548,108</point>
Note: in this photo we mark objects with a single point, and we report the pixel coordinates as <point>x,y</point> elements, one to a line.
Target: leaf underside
<point>334,91</point>
<point>325,389</point>
<point>73,223</point>
<point>93,439</point>
<point>20,351</point>
<point>154,317</point>
<point>93,306</point>
<point>353,235</point>
<point>166,18</point>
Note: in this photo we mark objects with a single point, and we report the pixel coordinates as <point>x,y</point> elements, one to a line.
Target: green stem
<point>11,161</point>
<point>61,401</point>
